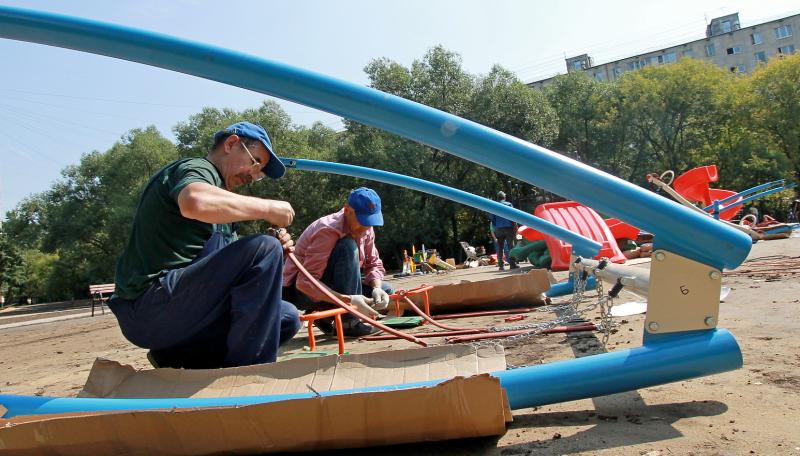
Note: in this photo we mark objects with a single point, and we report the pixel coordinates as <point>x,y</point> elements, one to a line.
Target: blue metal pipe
<point>567,287</point>
<point>748,199</point>
<point>665,359</point>
<point>781,183</point>
<point>579,243</point>
<point>676,228</point>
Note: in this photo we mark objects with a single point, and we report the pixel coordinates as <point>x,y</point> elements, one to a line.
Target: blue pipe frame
<point>676,228</point>
<point>665,359</point>
<point>661,359</point>
<point>720,206</point>
<point>579,243</point>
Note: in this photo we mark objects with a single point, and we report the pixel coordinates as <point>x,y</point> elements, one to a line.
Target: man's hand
<point>363,305</point>
<point>381,299</point>
<point>286,241</point>
<point>279,213</point>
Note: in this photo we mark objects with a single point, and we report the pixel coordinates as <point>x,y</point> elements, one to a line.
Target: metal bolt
<point>710,321</point>
<point>714,275</point>
<point>660,256</point>
<point>653,326</point>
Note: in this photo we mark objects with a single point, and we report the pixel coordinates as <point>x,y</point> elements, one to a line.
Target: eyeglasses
<point>256,164</point>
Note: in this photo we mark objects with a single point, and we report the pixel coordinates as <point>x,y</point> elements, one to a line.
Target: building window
<point>738,69</point>
<point>637,64</point>
<point>688,53</point>
<point>788,49</point>
<point>761,57</point>
<point>600,76</point>
<point>726,26</point>
<point>734,50</point>
<point>784,31</point>
<point>670,57</point>
<point>710,51</point>
<point>577,65</point>
<point>617,72</point>
<point>756,38</point>
<point>655,60</point>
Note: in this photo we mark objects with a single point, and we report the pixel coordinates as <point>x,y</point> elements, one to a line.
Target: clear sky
<point>57,104</point>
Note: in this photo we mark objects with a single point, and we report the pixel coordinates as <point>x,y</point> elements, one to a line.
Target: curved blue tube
<point>663,359</point>
<point>579,243</point>
<point>677,229</point>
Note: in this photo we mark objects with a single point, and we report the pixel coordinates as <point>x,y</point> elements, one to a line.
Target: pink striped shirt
<point>314,247</point>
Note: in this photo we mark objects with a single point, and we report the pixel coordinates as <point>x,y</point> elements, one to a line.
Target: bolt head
<point>714,275</point>
<point>660,256</point>
<point>710,321</point>
<point>653,326</point>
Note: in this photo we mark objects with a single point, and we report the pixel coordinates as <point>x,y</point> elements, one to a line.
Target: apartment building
<point>726,44</point>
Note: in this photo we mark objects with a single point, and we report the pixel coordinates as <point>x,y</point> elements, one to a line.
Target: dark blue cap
<point>367,205</point>
<point>274,168</point>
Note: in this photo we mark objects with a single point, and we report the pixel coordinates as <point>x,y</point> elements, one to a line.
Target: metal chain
<point>570,312</point>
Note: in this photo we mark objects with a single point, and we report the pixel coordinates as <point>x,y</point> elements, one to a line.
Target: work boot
<point>502,268</point>
<point>353,327</point>
<point>513,265</point>
<point>325,325</point>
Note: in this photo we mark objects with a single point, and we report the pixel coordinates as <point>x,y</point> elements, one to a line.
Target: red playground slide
<point>578,219</point>
<point>693,185</point>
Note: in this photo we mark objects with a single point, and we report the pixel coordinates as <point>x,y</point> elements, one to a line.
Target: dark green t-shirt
<point>162,239</point>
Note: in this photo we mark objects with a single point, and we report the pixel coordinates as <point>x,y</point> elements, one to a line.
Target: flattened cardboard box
<point>523,289</point>
<point>469,405</point>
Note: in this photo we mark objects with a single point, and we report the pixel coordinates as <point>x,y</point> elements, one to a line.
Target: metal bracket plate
<point>684,294</point>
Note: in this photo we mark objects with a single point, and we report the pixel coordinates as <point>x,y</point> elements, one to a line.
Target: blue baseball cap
<point>367,206</point>
<point>274,168</point>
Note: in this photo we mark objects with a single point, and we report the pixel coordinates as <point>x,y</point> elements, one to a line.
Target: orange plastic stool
<point>400,294</point>
<point>337,316</point>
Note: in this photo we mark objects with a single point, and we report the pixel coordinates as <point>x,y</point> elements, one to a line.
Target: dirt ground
<point>753,410</point>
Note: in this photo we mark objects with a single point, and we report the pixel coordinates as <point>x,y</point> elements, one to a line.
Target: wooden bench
<point>100,295</point>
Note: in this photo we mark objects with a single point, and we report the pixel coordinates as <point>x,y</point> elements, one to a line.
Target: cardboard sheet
<point>525,289</point>
<point>109,379</point>
<point>459,408</point>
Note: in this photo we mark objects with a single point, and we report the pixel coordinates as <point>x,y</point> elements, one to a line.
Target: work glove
<point>364,305</point>
<point>381,299</point>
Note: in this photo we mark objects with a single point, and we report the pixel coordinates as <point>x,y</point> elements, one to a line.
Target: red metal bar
<point>339,333</point>
<point>397,295</point>
<point>430,334</point>
<point>483,313</point>
<point>350,309</point>
<point>336,314</point>
<point>427,318</point>
<point>494,335</point>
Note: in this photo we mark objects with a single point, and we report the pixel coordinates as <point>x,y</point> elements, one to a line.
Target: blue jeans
<point>505,242</point>
<point>343,275</point>
<point>222,310</point>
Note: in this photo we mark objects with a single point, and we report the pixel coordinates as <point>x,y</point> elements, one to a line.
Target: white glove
<point>381,299</point>
<point>363,304</point>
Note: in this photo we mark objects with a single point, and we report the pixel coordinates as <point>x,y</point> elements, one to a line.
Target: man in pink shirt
<point>335,249</point>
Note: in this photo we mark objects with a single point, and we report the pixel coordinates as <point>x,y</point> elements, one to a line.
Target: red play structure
<point>578,219</point>
<point>693,185</point>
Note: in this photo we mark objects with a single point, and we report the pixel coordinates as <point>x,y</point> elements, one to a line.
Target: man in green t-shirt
<point>186,288</point>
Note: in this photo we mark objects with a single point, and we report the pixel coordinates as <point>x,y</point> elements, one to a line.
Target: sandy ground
<point>753,410</point>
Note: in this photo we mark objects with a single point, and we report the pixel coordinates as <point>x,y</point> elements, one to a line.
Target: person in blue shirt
<point>504,233</point>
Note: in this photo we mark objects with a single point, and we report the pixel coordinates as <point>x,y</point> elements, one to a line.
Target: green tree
<point>775,101</point>
<point>498,100</point>
<point>673,108</point>
<point>11,266</point>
